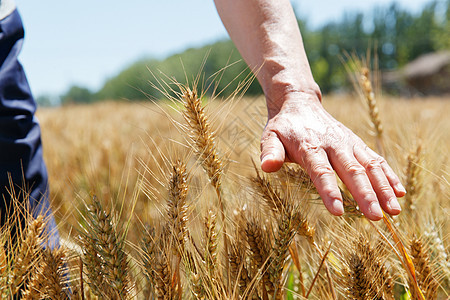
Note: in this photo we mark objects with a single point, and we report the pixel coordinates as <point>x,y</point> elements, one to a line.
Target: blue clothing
<point>20,136</point>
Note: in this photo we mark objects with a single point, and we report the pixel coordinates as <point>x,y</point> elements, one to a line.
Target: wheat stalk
<point>404,257</point>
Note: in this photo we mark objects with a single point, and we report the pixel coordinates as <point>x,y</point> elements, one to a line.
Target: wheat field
<point>166,201</point>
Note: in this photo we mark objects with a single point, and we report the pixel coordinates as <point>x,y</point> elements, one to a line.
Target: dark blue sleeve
<point>20,136</point>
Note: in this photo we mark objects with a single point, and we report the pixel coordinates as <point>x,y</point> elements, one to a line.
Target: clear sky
<point>86,41</point>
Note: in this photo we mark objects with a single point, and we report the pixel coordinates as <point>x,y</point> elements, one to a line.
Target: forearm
<point>266,34</point>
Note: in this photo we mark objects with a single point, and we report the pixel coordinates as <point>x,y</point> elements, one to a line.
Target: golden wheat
<point>273,220</point>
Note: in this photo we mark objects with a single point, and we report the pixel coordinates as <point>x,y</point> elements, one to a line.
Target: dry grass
<point>161,177</point>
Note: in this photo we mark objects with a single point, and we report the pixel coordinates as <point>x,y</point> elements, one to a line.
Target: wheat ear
<point>177,212</point>
<point>196,281</point>
<point>373,108</point>
<point>163,273</point>
<point>287,228</point>
<point>238,269</point>
<point>281,204</point>
<point>27,253</point>
<point>269,193</point>
<point>382,281</point>
<point>359,275</point>
<point>211,241</point>
<point>424,272</point>
<point>106,254</point>
<point>290,221</point>
<point>34,287</point>
<point>94,266</point>
<point>412,178</point>
<point>4,267</point>
<point>49,281</point>
<point>148,256</point>
<point>55,273</point>
<point>259,244</point>
<point>356,278</point>
<point>203,137</point>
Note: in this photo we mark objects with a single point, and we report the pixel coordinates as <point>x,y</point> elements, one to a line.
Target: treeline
<point>394,33</point>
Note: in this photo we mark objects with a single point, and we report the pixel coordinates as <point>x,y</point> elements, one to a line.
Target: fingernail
<point>393,205</point>
<point>267,157</point>
<point>338,207</point>
<point>399,187</point>
<point>375,209</point>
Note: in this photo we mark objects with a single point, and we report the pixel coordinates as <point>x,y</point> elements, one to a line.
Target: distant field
<point>123,151</point>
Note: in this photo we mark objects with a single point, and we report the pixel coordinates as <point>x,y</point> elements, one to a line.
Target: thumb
<point>272,152</point>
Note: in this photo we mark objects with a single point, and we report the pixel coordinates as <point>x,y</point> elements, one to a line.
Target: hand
<point>301,131</point>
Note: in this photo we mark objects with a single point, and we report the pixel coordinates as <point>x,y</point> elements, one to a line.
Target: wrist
<point>282,95</point>
<point>281,79</point>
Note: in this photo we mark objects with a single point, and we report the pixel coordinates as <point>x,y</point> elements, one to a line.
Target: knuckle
<point>385,190</point>
<point>310,150</point>
<point>321,169</point>
<point>368,193</point>
<point>381,160</point>
<point>354,169</point>
<point>266,136</point>
<point>331,192</point>
<point>373,165</point>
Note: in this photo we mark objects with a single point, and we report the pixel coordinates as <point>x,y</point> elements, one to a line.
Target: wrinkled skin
<point>302,131</point>
<point>267,35</point>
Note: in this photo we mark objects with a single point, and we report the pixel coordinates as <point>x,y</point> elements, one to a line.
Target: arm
<point>298,128</point>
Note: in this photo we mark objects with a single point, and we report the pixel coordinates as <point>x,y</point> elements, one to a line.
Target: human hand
<point>300,130</point>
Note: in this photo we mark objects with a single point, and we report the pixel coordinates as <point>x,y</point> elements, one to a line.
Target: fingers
<point>393,179</point>
<point>316,163</point>
<point>373,164</point>
<point>354,176</point>
<point>371,181</point>
<point>272,152</point>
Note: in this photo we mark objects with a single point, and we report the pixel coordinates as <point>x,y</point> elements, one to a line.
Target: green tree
<point>77,94</point>
<point>221,71</point>
<point>396,35</point>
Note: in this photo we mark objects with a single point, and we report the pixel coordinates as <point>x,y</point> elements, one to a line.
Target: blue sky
<point>86,41</point>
